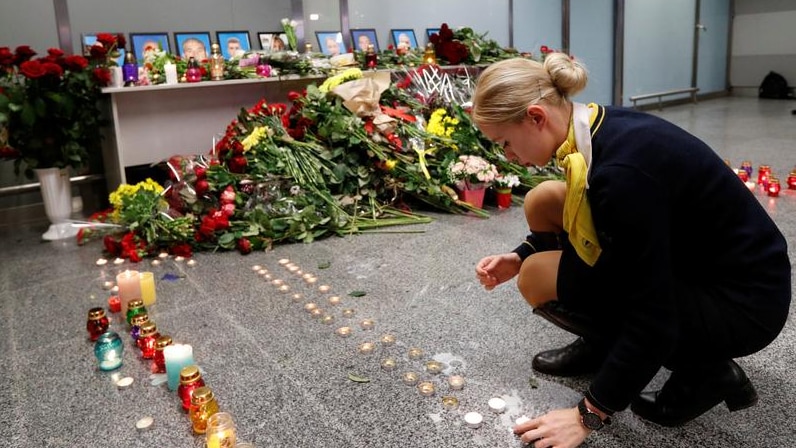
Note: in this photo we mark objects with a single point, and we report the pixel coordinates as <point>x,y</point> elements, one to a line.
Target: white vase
<point>56,190</point>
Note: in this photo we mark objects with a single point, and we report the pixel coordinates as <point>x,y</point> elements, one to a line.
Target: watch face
<point>592,421</point>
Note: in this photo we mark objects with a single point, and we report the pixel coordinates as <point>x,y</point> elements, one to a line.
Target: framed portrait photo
<point>143,42</point>
<point>89,39</point>
<point>361,38</point>
<point>330,42</point>
<point>404,38</point>
<point>429,32</point>
<point>234,44</point>
<point>272,41</point>
<point>192,43</point>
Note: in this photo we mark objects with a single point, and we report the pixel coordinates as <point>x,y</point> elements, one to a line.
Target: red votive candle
<point>190,380</point>
<point>792,180</point>
<point>773,187</point>
<point>97,323</point>
<point>763,173</point>
<point>147,337</point>
<point>115,304</point>
<point>743,175</point>
<point>160,361</point>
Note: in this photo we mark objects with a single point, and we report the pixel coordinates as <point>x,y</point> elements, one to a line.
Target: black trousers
<point>716,322</point>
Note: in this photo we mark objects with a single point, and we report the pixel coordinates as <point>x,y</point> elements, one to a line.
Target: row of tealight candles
<point>175,360</point>
<point>770,183</point>
<point>426,387</point>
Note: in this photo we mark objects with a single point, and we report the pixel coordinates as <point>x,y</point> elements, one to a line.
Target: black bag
<point>774,86</point>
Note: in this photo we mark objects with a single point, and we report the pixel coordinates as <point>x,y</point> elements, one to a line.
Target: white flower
<point>285,21</point>
<point>507,180</point>
<point>293,23</point>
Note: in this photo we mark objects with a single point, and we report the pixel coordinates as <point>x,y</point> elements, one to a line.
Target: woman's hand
<point>560,429</point>
<point>496,269</point>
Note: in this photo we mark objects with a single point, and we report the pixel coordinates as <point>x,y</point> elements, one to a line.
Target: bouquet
<point>471,172</point>
<point>290,31</point>
<point>506,181</point>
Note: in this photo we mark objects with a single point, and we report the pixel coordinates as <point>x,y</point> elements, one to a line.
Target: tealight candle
<point>115,290</point>
<point>343,332</point>
<point>307,275</point>
<point>108,349</point>
<point>107,285</point>
<point>450,402</point>
<point>297,297</point>
<point>267,276</point>
<point>129,283</point>
<point>284,261</point>
<point>415,353</point>
<point>191,262</point>
<point>299,272</point>
<point>327,319</point>
<point>522,419</point>
<point>163,255</point>
<point>118,261</point>
<point>388,363</point>
<point>410,378</point>
<point>316,313</point>
<point>289,265</point>
<point>311,280</point>
<point>367,324</point>
<point>262,271</point>
<point>284,288</point>
<point>155,262</point>
<point>366,348</point>
<point>349,312</point>
<point>473,420</point>
<point>101,262</point>
<point>324,288</point>
<point>257,268</point>
<point>293,268</point>
<point>114,304</point>
<point>148,288</point>
<point>179,259</point>
<point>426,388</point>
<point>433,367</point>
<point>456,382</point>
<point>309,307</point>
<point>387,339</point>
<point>176,357</point>
<point>335,300</point>
<point>277,282</point>
<point>497,405</point>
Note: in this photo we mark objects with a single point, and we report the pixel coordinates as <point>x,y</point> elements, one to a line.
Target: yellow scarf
<point>578,221</point>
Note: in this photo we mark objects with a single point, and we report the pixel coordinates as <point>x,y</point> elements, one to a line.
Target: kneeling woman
<point>652,251</point>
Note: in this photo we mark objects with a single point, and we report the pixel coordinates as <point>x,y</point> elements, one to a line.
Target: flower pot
<point>473,196</point>
<point>503,196</point>
<point>56,191</point>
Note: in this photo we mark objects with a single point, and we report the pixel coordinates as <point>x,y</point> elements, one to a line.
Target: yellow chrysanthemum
<point>390,164</point>
<point>118,196</point>
<point>348,75</point>
<point>254,138</point>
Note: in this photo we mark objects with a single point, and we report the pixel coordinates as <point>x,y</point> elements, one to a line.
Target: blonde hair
<point>506,89</point>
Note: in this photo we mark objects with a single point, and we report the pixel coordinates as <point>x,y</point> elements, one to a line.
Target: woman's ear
<point>536,114</point>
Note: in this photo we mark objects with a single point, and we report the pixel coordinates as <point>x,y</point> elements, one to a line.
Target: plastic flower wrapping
<point>359,153</point>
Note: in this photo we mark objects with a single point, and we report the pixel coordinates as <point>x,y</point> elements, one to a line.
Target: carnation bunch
<point>468,171</point>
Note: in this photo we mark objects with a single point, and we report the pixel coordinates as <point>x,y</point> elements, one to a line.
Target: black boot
<point>689,394</point>
<point>581,357</point>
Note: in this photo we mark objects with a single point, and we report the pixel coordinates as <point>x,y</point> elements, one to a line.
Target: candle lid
<point>96,313</point>
<point>139,319</point>
<point>189,374</point>
<point>148,329</point>
<point>201,395</point>
<point>162,342</point>
<point>135,303</point>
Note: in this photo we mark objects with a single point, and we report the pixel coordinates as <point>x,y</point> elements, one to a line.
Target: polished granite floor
<point>284,376</point>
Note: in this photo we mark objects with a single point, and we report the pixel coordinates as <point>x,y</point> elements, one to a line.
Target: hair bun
<point>567,74</point>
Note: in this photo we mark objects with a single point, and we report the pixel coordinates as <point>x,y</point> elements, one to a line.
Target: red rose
<point>237,147</point>
<point>6,57</point>
<point>97,51</point>
<point>55,53</point>
<point>222,222</point>
<point>207,227</point>
<point>244,246</point>
<point>23,53</point>
<point>181,250</point>
<point>75,63</point>
<point>52,69</point>
<point>201,187</point>
<point>200,171</point>
<point>111,246</point>
<point>293,95</point>
<point>544,49</point>
<point>106,39</point>
<point>237,164</point>
<point>32,69</point>
<point>102,75</point>
<point>121,42</point>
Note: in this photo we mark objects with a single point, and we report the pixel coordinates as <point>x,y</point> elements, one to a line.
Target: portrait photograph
<point>196,44</point>
<point>234,44</point>
<point>404,38</point>
<point>272,41</point>
<point>429,32</point>
<point>361,38</point>
<point>143,42</point>
<point>330,42</point>
<point>87,40</point>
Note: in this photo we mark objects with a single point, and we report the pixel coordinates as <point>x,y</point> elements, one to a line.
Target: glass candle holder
<point>430,55</point>
<point>308,307</point>
<point>434,367</point>
<point>410,378</point>
<point>366,348</point>
<point>349,312</point>
<point>743,175</point>
<point>109,349</point>
<point>415,353</point>
<point>344,332</point>
<point>327,319</point>
<point>792,180</point>
<point>388,364</point>
<point>367,324</point>
<point>746,165</point>
<point>221,431</point>
<point>450,402</point>
<point>97,323</point>
<point>203,406</point>
<point>136,322</point>
<point>426,388</point>
<point>456,382</point>
<point>763,173</point>
<point>193,73</point>
<point>159,365</point>
<point>134,308</point>
<point>773,187</point>
<point>114,304</point>
<point>190,380</point>
<point>146,339</point>
<point>387,340</point>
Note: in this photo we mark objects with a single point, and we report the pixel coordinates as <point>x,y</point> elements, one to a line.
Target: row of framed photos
<point>235,43</point>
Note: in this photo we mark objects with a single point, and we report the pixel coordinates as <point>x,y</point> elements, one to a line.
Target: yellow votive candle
<point>148,288</point>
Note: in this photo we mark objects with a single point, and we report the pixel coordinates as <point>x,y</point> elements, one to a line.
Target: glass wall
<point>537,23</point>
<point>591,40</point>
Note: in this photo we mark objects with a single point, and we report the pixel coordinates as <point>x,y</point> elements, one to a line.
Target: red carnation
<point>200,171</point>
<point>244,246</point>
<point>32,69</point>
<point>201,187</point>
<point>181,250</point>
<point>111,246</point>
<point>102,75</point>
<point>52,69</point>
<point>23,53</point>
<point>75,63</point>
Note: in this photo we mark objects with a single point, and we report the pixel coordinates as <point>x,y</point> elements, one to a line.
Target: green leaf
<point>357,293</point>
<point>357,378</point>
<point>325,265</point>
<point>226,238</point>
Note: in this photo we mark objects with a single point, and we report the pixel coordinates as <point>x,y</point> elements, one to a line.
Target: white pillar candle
<point>116,77</point>
<point>171,73</point>
<point>497,404</point>
<point>129,283</point>
<point>176,356</point>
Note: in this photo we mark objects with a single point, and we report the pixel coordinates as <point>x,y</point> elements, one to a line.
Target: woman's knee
<point>544,206</point>
<point>537,278</point>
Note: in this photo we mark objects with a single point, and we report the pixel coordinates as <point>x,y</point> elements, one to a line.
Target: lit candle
<point>256,268</point>
<point>284,288</point>
<point>388,363</point>
<point>155,262</point>
<point>450,402</point>
<point>277,282</point>
<point>763,173</point>
<point>176,357</point>
<point>792,180</point>
<point>101,262</point>
<point>409,378</point>
<point>433,367</point>
<point>179,259</point>
<point>307,275</point>
<point>743,175</point>
<point>309,307</point>
<point>426,388</point>
<point>147,288</point>
<point>284,261</point>
<point>220,431</point>
<point>773,187</point>
<point>297,297</point>
<point>473,420</point>
<point>324,288</point>
<point>163,255</point>
<point>366,348</point>
<point>387,339</point>
<point>129,283</point>
<point>311,280</point>
<point>334,300</point>
<point>415,353</point>
<point>349,312</point>
<point>497,405</point>
<point>262,271</point>
<point>343,332</point>
<point>327,319</point>
<point>293,268</point>
<point>367,324</point>
<point>170,70</point>
<point>456,382</point>
<point>316,313</point>
<point>107,285</point>
<point>191,262</point>
<point>108,349</point>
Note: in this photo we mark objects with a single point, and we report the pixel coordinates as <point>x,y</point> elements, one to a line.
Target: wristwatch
<point>589,419</point>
